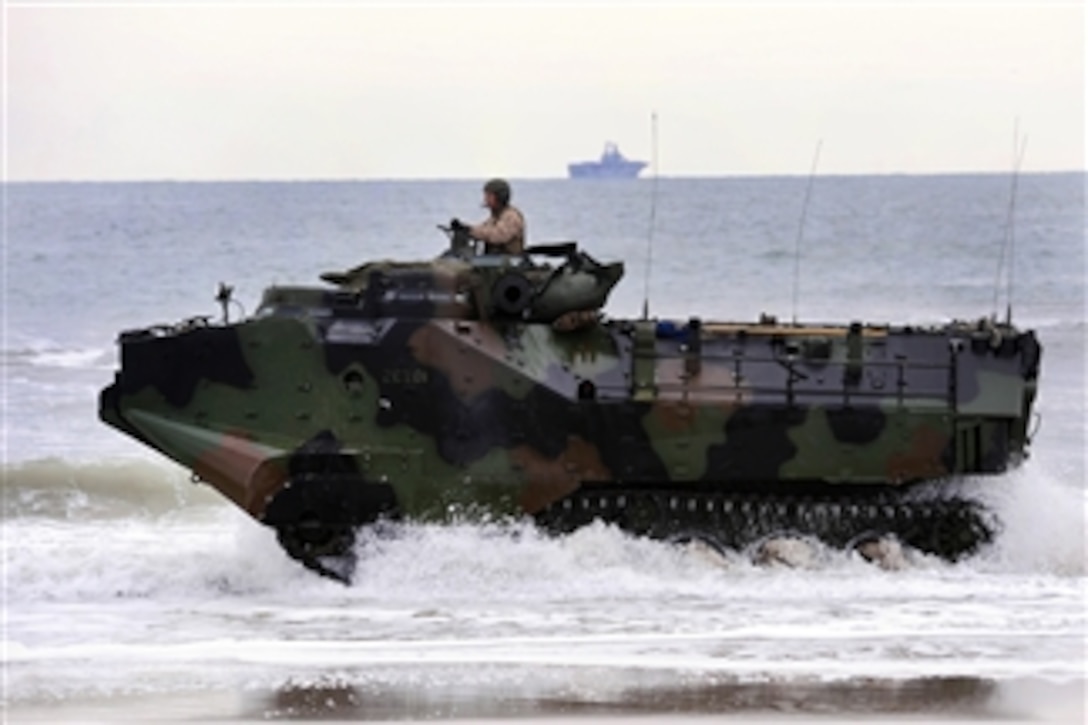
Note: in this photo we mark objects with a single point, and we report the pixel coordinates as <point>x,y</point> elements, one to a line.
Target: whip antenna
<point>653,215</point>
<point>1020,146</point>
<point>801,228</point>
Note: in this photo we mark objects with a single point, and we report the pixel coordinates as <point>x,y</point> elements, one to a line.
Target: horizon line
<point>466,179</point>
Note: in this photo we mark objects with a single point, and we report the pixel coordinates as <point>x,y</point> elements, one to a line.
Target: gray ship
<point>612,165</point>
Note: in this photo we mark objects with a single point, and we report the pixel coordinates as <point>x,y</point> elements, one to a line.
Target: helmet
<point>500,189</point>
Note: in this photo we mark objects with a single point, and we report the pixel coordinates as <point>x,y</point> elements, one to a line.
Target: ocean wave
<point>1041,511</point>
<point>228,556</point>
<point>52,355</point>
<point>221,553</point>
<point>148,531</point>
<point>61,489</point>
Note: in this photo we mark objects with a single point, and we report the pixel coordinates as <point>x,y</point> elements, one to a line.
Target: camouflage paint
<point>406,381</point>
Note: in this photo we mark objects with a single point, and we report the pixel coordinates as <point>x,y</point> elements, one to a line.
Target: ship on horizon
<point>612,165</point>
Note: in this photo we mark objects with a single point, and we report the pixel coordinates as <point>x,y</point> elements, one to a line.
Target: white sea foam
<point>212,597</point>
<point>1042,517</point>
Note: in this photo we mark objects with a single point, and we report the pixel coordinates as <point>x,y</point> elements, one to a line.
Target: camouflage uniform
<point>502,233</point>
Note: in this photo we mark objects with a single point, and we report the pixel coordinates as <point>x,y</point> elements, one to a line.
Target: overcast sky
<point>334,91</point>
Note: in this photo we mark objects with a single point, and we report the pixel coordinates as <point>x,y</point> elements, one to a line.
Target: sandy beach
<point>952,700</point>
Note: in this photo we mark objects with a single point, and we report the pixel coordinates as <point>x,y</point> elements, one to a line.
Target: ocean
<point>129,589</point>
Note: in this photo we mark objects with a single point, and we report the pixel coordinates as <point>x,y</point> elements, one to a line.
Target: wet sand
<point>945,699</point>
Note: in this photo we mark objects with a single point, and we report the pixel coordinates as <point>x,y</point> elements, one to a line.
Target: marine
<point>503,232</point>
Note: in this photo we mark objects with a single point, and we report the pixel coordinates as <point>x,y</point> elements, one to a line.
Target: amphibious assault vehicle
<point>493,386</point>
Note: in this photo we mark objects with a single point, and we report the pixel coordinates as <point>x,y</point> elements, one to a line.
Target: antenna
<point>653,215</point>
<point>1019,148</point>
<point>801,228</point>
<point>1011,224</point>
